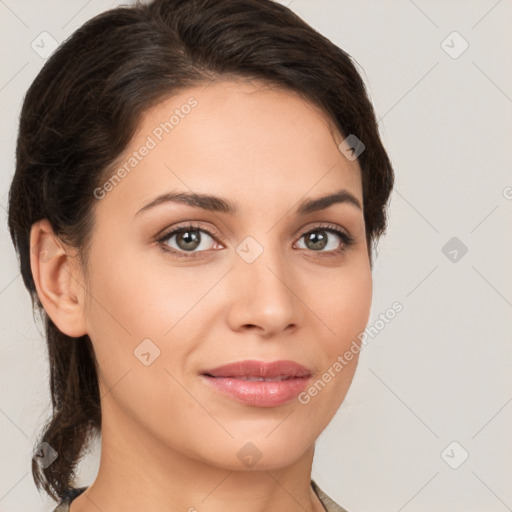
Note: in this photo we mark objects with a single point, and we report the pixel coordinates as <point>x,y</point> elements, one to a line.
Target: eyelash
<point>347,240</point>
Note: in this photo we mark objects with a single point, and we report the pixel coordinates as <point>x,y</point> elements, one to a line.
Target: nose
<point>263,298</point>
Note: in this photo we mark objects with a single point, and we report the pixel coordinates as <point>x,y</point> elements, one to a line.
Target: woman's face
<point>244,285</point>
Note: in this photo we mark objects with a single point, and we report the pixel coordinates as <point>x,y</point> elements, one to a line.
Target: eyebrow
<point>218,204</point>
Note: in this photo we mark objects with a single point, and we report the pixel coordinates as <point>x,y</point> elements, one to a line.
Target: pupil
<point>320,243</point>
<point>191,239</point>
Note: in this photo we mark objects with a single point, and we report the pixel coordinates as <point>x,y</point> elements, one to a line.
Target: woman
<point>198,187</point>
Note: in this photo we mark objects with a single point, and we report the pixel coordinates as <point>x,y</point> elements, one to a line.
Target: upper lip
<point>253,368</point>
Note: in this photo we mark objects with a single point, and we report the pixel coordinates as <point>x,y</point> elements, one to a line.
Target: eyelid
<point>167,232</point>
<point>323,225</point>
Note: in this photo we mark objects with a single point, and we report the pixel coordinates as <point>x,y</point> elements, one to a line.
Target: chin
<point>257,453</point>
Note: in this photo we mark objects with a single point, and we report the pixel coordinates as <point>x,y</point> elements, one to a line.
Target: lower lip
<point>259,393</point>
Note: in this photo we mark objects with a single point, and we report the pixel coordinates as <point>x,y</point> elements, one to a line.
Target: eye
<point>188,239</point>
<point>191,240</point>
<point>321,237</point>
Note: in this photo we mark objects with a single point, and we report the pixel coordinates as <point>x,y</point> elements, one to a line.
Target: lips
<point>258,383</point>
<point>257,370</point>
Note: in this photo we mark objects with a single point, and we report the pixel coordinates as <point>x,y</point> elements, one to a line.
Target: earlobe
<point>58,279</point>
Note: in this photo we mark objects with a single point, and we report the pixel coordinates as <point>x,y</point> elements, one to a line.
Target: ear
<point>58,279</point>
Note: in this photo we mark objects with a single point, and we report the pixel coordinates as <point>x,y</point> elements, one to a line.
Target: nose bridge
<point>263,280</point>
<point>264,262</point>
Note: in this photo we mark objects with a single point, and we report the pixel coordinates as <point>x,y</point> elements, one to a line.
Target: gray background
<point>440,371</point>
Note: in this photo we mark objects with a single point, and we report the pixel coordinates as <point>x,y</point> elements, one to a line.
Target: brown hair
<point>82,110</point>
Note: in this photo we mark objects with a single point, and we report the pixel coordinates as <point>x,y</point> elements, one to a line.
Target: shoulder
<point>66,500</point>
<point>329,504</point>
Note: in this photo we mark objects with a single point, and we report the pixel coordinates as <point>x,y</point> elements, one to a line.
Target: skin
<point>169,441</point>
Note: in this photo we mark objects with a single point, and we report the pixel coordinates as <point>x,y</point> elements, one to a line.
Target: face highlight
<point>260,270</point>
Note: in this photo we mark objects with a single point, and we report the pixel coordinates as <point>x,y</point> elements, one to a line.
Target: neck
<point>138,472</point>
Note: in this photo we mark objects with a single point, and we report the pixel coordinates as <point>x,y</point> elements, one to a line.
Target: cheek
<point>345,309</point>
<point>128,297</point>
<point>131,301</point>
<point>344,306</point>
<point>356,302</point>
<point>134,319</point>
<point>122,311</point>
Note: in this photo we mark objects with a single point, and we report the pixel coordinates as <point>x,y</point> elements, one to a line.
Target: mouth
<point>258,383</point>
<point>258,370</point>
<point>254,378</point>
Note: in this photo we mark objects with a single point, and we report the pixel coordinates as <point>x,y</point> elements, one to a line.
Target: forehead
<point>236,139</point>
